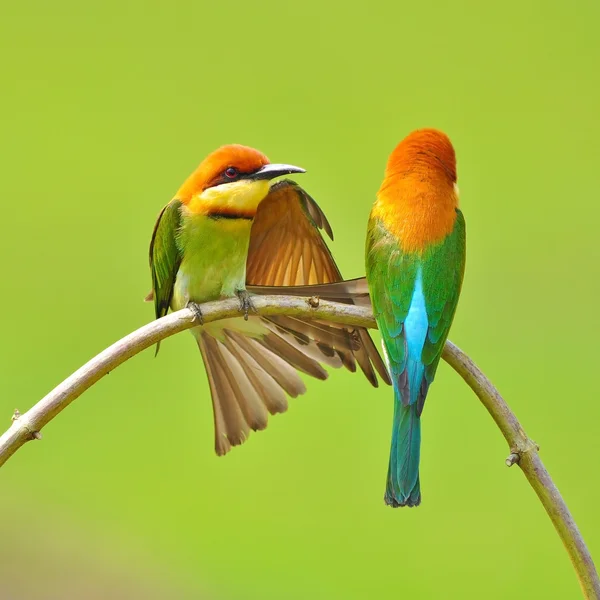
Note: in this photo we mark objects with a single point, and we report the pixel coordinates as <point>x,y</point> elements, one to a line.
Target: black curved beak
<point>274,170</point>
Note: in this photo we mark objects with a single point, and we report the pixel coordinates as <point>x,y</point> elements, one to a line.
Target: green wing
<point>443,268</point>
<point>165,256</point>
<point>413,335</point>
<point>392,275</point>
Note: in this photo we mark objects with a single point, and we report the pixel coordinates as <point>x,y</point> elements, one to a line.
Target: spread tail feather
<point>249,378</point>
<point>361,347</point>
<point>403,488</point>
<point>230,426</point>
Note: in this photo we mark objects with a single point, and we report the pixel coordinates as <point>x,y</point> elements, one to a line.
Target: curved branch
<point>27,427</point>
<point>523,450</point>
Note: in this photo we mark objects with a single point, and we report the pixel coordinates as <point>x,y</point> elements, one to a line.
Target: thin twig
<point>523,451</point>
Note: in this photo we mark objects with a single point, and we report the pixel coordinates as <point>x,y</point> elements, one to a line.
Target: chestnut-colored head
<point>232,180</point>
<point>424,151</point>
<point>418,198</point>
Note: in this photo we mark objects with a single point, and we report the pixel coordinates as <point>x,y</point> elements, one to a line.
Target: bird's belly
<point>214,261</point>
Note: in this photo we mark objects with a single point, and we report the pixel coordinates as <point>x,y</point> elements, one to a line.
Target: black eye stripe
<point>229,175</point>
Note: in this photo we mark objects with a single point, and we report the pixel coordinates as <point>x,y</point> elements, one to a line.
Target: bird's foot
<point>245,303</point>
<point>195,308</point>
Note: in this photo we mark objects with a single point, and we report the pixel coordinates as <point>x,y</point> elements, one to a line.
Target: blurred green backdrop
<point>106,108</point>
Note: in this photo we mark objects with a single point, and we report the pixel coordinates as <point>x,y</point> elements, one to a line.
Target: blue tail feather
<point>403,487</point>
<point>410,387</point>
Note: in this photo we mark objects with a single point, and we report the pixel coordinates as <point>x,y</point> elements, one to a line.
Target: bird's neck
<point>417,211</point>
<point>239,199</point>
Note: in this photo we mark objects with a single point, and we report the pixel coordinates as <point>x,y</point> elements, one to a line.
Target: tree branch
<point>523,451</point>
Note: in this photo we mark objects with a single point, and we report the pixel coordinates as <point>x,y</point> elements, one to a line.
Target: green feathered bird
<point>415,260</point>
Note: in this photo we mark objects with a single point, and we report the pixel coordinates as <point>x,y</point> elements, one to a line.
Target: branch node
<point>512,459</point>
<point>313,301</point>
<point>24,426</point>
<point>521,448</point>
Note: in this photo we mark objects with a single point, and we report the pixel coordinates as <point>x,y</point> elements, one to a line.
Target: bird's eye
<point>231,172</point>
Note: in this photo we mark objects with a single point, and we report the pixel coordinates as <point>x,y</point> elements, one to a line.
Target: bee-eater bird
<point>228,227</point>
<point>415,259</point>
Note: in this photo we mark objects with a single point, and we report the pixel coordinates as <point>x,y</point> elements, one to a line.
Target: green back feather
<point>443,268</point>
<point>392,277</point>
<point>391,274</point>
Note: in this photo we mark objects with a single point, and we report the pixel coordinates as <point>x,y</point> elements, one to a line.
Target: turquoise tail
<point>403,487</point>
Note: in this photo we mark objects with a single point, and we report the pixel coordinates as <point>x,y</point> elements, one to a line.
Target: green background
<point>106,107</point>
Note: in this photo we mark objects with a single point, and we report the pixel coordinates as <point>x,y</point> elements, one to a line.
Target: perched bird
<point>228,227</point>
<point>415,260</point>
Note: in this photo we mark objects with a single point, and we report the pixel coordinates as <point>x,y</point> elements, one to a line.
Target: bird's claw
<point>245,303</point>
<point>195,308</point>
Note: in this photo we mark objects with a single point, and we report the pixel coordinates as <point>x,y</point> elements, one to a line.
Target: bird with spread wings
<point>230,227</point>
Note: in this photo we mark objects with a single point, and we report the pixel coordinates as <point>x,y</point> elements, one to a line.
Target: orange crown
<point>242,158</point>
<point>423,150</point>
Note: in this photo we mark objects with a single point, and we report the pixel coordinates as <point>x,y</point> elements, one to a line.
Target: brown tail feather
<point>362,348</point>
<point>247,393</point>
<point>231,428</point>
<point>285,375</point>
<point>271,395</point>
<point>306,340</point>
<point>249,378</point>
<point>350,345</point>
<point>356,290</point>
<point>348,361</point>
<point>369,357</point>
<point>290,353</point>
<point>330,334</point>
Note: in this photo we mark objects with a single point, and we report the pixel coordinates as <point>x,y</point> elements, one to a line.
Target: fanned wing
<point>287,249</point>
<point>355,291</point>
<point>165,256</point>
